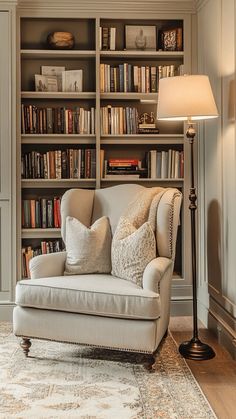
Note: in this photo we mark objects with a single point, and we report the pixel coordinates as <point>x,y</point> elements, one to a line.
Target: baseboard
<point>6,310</point>
<point>225,335</point>
<point>181,307</point>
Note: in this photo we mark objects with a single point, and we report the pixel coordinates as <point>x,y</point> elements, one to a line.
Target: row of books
<point>41,213</point>
<point>59,164</point>
<point>165,164</point>
<point>28,253</point>
<point>119,120</point>
<point>107,38</point>
<point>132,78</point>
<point>57,120</point>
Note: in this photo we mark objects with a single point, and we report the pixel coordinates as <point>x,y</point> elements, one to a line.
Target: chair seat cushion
<point>96,294</point>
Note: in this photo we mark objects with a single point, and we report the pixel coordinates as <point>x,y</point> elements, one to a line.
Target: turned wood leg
<point>25,344</point>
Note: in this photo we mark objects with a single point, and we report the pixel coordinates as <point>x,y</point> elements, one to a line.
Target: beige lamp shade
<point>184,98</point>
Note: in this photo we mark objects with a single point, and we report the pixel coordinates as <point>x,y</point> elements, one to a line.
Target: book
<point>47,70</point>
<point>72,81</point>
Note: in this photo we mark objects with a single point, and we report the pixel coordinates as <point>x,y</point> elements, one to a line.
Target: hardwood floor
<point>216,377</point>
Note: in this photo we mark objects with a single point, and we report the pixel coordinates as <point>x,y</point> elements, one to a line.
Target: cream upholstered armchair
<point>100,309</point>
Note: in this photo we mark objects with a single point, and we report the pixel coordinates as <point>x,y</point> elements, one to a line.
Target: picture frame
<point>140,37</point>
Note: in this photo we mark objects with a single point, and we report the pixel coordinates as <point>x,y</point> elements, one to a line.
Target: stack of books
<point>123,169</point>
<point>59,164</point>
<point>55,120</point>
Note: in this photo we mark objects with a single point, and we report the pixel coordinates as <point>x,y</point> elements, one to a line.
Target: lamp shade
<point>183,98</point>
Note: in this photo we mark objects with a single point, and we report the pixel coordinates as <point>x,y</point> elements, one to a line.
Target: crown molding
<point>200,4</point>
<point>101,6</point>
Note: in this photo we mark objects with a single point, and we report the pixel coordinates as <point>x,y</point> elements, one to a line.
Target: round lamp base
<point>196,350</point>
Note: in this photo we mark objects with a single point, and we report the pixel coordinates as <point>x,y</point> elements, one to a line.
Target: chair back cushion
<point>89,205</point>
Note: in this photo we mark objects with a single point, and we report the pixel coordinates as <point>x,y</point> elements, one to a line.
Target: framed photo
<point>140,38</point>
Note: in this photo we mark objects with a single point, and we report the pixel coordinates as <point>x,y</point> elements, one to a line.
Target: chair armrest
<point>155,271</point>
<point>51,264</point>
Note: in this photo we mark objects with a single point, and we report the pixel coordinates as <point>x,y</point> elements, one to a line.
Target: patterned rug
<point>69,381</point>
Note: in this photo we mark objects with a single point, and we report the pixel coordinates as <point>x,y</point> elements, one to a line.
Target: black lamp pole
<point>194,349</point>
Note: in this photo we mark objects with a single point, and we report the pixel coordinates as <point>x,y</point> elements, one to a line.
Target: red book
<point>56,221</point>
<point>58,206</point>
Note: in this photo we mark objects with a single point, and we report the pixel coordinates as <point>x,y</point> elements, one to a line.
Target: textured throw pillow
<point>88,249</point>
<point>132,249</point>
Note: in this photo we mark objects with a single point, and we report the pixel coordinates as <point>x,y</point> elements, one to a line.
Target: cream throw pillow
<point>132,249</point>
<point>88,249</point>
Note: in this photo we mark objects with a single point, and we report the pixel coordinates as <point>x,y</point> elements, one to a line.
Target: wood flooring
<point>216,377</point>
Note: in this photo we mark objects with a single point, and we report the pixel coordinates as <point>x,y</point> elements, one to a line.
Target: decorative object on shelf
<point>189,98</point>
<point>172,39</point>
<point>147,124</point>
<point>61,40</point>
<point>45,83</point>
<point>140,37</point>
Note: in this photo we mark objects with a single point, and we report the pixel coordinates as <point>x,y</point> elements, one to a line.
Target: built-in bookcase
<point>87,55</point>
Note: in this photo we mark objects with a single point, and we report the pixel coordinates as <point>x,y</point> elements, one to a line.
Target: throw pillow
<point>132,249</point>
<point>88,249</point>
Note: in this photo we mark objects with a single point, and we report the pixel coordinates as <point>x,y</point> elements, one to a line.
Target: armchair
<point>100,309</point>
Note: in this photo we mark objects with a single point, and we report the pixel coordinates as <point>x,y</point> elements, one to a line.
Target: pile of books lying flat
<point>119,169</point>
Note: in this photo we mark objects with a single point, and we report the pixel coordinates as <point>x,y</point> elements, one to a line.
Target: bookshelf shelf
<point>53,54</point>
<point>143,139</point>
<point>142,54</point>
<point>168,182</point>
<point>57,183</point>
<point>38,233</point>
<point>58,139</point>
<point>130,96</point>
<point>57,95</point>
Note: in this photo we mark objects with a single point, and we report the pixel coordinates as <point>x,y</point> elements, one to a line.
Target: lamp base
<point>196,350</point>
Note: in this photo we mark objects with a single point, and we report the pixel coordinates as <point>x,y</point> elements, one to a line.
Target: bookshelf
<point>87,55</point>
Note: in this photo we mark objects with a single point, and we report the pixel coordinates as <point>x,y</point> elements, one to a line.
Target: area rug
<point>69,381</point>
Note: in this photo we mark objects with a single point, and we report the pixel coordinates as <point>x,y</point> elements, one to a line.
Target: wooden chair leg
<point>25,344</point>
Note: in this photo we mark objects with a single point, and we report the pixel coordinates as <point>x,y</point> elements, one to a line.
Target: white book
<point>164,167</point>
<point>177,165</point>
<point>100,38</point>
<point>89,121</point>
<point>173,164</point>
<point>136,86</point>
<point>92,121</point>
<point>72,81</point>
<point>169,163</point>
<point>112,39</point>
<point>153,161</point>
<point>143,84</point>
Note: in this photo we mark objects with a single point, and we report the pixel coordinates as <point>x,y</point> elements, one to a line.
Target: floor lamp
<point>189,98</point>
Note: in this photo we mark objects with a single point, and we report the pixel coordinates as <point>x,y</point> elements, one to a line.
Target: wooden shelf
<point>130,96</point>
<point>51,54</point>
<point>142,54</point>
<point>37,233</point>
<point>57,95</point>
<point>172,182</point>
<point>57,183</point>
<point>58,139</point>
<point>136,139</point>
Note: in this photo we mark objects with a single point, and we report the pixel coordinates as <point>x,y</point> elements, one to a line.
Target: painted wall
<point>217,171</point>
